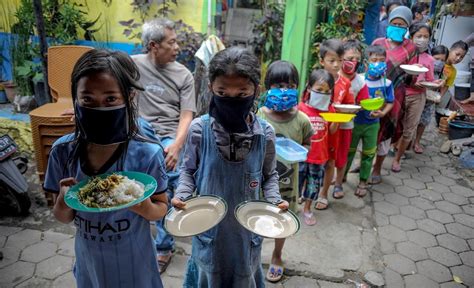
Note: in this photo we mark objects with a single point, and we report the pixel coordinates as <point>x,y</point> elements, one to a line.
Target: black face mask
<point>104,125</point>
<point>231,112</point>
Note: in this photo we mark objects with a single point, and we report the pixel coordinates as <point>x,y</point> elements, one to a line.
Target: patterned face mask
<point>377,69</point>
<point>281,99</point>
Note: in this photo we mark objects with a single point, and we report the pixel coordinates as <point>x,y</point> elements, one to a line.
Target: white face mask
<point>421,44</point>
<point>319,100</point>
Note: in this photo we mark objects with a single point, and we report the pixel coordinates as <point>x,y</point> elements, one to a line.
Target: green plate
<point>148,181</point>
<point>372,104</point>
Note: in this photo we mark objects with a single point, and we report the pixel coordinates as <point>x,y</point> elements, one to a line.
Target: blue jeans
<point>163,241</point>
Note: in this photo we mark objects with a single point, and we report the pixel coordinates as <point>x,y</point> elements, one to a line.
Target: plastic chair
<point>47,124</point>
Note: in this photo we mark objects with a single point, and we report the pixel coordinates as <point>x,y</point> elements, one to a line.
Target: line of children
<point>230,152</point>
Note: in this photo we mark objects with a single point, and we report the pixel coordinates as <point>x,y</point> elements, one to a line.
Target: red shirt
<point>319,150</point>
<point>342,91</point>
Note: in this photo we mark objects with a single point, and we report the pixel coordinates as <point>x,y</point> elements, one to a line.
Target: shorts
<point>383,147</point>
<point>314,180</point>
<point>345,139</point>
<point>412,109</point>
<point>427,113</point>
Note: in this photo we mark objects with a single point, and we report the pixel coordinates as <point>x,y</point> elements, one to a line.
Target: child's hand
<point>177,203</point>
<point>440,82</point>
<point>64,186</point>
<point>377,114</point>
<point>61,211</point>
<point>283,205</point>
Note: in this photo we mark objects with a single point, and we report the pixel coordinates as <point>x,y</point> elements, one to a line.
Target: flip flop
<point>309,218</point>
<point>456,150</point>
<point>446,147</point>
<point>323,201</point>
<point>418,149</point>
<point>374,180</point>
<point>164,264</point>
<point>355,170</point>
<point>361,191</point>
<point>274,273</point>
<point>337,189</point>
<point>396,168</point>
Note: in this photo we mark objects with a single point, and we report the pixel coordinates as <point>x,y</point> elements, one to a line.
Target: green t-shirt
<point>297,128</point>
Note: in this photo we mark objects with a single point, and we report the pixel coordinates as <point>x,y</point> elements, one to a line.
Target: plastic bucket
<point>462,91</point>
<point>463,77</point>
<point>460,129</point>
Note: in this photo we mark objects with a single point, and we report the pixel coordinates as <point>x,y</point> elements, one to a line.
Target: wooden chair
<point>47,124</point>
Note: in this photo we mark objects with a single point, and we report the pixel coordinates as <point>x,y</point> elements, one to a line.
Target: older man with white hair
<point>168,103</point>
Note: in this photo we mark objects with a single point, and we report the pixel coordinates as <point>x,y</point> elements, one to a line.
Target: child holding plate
<point>280,101</point>
<point>319,93</point>
<point>415,93</point>
<point>367,123</point>
<point>112,248</point>
<point>229,153</point>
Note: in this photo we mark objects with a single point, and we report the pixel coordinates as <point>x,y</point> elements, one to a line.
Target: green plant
<point>268,33</point>
<point>188,39</point>
<point>64,23</point>
<point>341,18</point>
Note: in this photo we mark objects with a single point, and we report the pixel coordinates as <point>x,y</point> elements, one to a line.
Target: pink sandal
<point>418,149</point>
<point>309,218</point>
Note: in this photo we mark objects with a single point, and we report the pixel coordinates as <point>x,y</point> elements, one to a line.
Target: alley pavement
<point>416,229</point>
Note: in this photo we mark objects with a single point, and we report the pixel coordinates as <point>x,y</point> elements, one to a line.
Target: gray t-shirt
<point>169,89</point>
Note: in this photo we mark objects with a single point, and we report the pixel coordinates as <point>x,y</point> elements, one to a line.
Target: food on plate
<point>114,190</point>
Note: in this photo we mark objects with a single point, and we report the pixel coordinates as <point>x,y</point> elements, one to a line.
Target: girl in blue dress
<point>113,249</point>
<point>229,153</point>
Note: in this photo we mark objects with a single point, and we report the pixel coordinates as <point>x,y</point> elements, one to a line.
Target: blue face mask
<point>281,99</point>
<point>377,69</point>
<point>396,33</point>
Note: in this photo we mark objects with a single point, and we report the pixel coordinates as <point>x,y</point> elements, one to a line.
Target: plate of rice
<point>110,191</point>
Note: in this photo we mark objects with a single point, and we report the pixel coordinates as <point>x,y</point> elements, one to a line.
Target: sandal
<point>274,273</point>
<point>162,264</point>
<point>323,201</point>
<point>309,218</point>
<point>375,179</point>
<point>396,167</point>
<point>337,189</point>
<point>446,147</point>
<point>418,149</point>
<point>361,191</point>
<point>355,169</point>
<point>456,150</point>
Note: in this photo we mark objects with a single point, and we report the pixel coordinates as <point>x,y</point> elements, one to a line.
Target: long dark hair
<point>125,71</point>
<point>281,71</point>
<point>235,61</point>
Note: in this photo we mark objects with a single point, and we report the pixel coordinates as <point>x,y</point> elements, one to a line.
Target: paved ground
<point>414,230</point>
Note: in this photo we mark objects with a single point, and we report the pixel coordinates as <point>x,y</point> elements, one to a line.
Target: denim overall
<point>227,255</point>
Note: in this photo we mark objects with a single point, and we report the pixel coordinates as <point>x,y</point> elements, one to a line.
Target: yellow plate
<point>337,117</point>
<point>372,104</point>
